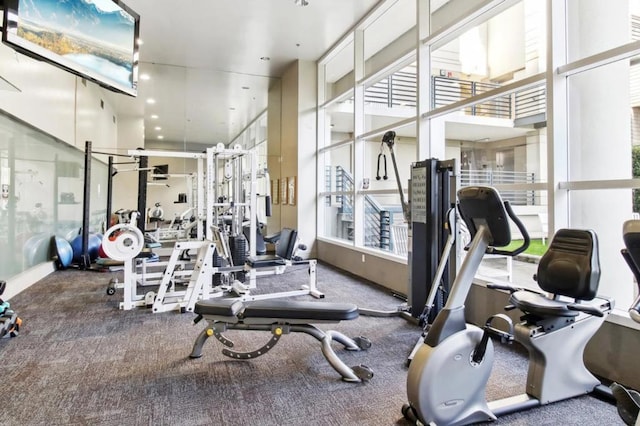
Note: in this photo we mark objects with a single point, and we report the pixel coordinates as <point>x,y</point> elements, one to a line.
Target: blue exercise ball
<point>93,246</point>
<point>95,241</point>
<point>36,250</point>
<point>76,248</point>
<point>64,252</point>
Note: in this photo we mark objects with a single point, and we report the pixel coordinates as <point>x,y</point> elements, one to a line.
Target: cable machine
<point>431,197</point>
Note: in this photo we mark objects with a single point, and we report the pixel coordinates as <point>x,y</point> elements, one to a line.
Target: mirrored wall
<point>42,182</point>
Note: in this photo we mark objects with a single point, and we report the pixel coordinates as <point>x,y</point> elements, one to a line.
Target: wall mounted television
<point>94,39</point>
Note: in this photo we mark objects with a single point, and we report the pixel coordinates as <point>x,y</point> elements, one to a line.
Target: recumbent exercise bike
<point>448,376</point>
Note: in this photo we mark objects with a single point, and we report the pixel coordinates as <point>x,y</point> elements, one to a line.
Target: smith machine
<point>226,198</point>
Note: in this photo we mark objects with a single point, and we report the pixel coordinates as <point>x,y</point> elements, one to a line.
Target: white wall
<point>506,46</point>
<point>57,102</point>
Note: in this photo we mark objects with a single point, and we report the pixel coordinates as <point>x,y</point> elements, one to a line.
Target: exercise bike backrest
<point>571,265</point>
<point>482,206</point>
<point>631,254</point>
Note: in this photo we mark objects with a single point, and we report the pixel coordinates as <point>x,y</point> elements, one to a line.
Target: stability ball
<point>95,241</point>
<point>63,252</point>
<point>93,245</point>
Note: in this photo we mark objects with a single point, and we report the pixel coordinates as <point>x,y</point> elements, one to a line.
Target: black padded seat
<point>284,251</point>
<point>540,305</point>
<point>278,310</point>
<point>219,307</point>
<point>265,261</point>
<point>299,310</point>
<point>571,268</point>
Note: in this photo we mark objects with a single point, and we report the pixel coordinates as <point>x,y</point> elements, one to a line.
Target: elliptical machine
<point>448,376</point>
<point>628,400</point>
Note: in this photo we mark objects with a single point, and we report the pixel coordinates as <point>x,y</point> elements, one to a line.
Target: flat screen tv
<point>94,39</point>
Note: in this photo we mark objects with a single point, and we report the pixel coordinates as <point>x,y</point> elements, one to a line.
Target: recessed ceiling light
<point>154,116</point>
<point>265,58</point>
<point>145,77</point>
<point>160,137</point>
<point>151,101</point>
<point>158,128</point>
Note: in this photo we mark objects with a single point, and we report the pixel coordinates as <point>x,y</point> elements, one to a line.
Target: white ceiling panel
<point>204,59</point>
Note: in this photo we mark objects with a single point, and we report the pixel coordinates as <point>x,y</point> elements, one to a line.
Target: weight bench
<point>281,317</point>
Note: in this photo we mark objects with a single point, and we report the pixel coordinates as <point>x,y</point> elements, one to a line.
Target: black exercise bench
<point>281,317</point>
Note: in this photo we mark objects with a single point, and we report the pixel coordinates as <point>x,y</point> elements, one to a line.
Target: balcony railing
<point>377,220</point>
<point>399,89</point>
<point>495,177</point>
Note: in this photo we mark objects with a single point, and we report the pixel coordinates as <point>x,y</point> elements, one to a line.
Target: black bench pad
<point>278,309</point>
<point>265,261</point>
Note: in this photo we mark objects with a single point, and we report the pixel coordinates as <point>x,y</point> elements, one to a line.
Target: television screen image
<point>95,39</point>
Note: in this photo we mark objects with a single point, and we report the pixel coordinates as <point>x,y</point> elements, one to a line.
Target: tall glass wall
<point>601,132</point>
<point>563,151</point>
<point>42,181</point>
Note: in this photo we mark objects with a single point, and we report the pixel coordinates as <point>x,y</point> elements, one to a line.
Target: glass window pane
<point>498,152</point>
<point>445,12</point>
<point>338,72</point>
<point>594,26</point>
<point>388,28</point>
<point>384,224</point>
<point>602,144</point>
<point>390,99</point>
<point>605,211</point>
<point>599,134</point>
<point>338,177</point>
<point>484,58</point>
<point>338,122</point>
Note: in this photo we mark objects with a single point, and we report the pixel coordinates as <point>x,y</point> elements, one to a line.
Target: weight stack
<point>216,262</point>
<point>238,247</point>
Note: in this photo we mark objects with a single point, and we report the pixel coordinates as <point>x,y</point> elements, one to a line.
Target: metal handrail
<point>377,219</point>
<point>400,89</point>
<point>490,177</point>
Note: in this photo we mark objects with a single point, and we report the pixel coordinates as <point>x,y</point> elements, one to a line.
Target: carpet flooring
<point>79,360</point>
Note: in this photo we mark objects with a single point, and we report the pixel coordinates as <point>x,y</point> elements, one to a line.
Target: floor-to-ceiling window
<point>366,88</point>
<point>601,84</point>
<point>536,98</point>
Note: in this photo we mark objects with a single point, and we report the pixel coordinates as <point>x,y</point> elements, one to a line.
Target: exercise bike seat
<point>541,305</point>
<point>570,268</point>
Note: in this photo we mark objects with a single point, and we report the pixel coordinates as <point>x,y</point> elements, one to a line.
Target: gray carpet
<point>79,360</point>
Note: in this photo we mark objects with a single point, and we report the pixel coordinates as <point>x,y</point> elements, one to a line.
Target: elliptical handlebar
<point>525,235</point>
